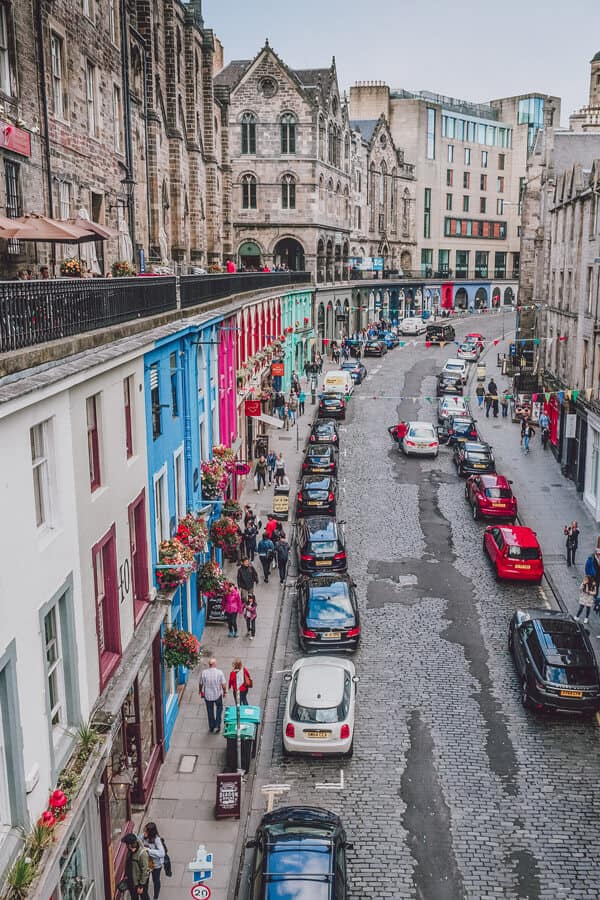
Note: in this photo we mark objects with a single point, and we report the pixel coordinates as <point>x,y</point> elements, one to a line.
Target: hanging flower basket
<point>211,579</point>
<point>192,531</point>
<point>179,559</point>
<point>306,320</point>
<point>226,456</point>
<point>180,648</point>
<point>214,479</point>
<point>225,534</point>
<point>232,509</point>
<point>122,269</point>
<point>71,267</point>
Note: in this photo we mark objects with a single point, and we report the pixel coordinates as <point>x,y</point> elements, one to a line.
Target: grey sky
<point>464,48</point>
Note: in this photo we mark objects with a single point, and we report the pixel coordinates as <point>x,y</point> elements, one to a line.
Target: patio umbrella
<point>7,227</point>
<point>101,232</point>
<point>34,227</point>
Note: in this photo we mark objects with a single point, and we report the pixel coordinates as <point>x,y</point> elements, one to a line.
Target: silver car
<point>421,439</point>
<point>320,707</point>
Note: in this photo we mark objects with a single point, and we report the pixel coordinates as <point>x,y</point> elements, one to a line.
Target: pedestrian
<point>156,851</point>
<point>293,404</point>
<point>319,363</point>
<point>137,868</point>
<point>284,416</point>
<point>480,391</point>
<point>488,404</point>
<point>571,533</point>
<point>231,605</point>
<point>283,553</point>
<point>248,514</point>
<point>279,469</point>
<point>295,383</point>
<point>291,416</point>
<point>271,460</point>
<point>213,688</point>
<point>528,435</point>
<point>247,577</point>
<point>265,551</point>
<point>261,447</point>
<point>504,402</point>
<point>240,682</point>
<point>587,593</point>
<point>270,527</point>
<point>249,613</point>
<point>307,368</point>
<point>260,473</point>
<point>250,534</point>
<point>301,402</point>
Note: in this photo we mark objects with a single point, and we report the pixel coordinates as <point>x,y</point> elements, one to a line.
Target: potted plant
<point>225,455</point>
<point>214,479</point>
<point>123,269</point>
<point>232,509</point>
<point>180,562</point>
<point>180,648</point>
<point>211,579</point>
<point>192,531</point>
<point>225,534</point>
<point>71,267</point>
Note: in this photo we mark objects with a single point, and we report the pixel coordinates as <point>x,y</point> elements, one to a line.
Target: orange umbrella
<point>100,232</point>
<point>34,227</point>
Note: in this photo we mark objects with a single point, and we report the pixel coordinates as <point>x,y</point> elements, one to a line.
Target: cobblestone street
<point>454,790</point>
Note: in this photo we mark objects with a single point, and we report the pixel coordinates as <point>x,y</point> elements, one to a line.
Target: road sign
<point>200,892</point>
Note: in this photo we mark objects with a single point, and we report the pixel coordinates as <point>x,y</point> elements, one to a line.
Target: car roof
<point>462,418</point>
<point>303,815</point>
<point>419,424</point>
<point>320,449</point>
<point>474,334</point>
<point>319,582</point>
<point>328,422</point>
<point>325,525</point>
<point>476,447</point>
<point>519,535</point>
<point>454,359</point>
<point>320,687</point>
<point>317,478</point>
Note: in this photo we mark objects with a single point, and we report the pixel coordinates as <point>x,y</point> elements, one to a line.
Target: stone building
<point>108,111</point>
<point>290,148</point>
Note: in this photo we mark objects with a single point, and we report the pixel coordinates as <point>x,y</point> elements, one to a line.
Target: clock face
<point>268,87</point>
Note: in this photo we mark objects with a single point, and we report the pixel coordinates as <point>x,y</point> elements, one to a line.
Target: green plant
<point>38,840</point>
<point>87,738</point>
<point>20,878</point>
<point>122,269</point>
<point>67,781</point>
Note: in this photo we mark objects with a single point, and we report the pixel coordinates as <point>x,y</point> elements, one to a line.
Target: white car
<point>456,367</point>
<point>412,325</point>
<point>421,440</point>
<point>469,352</point>
<point>451,405</point>
<point>320,707</point>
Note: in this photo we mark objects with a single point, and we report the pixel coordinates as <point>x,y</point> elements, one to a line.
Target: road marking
<point>325,786</point>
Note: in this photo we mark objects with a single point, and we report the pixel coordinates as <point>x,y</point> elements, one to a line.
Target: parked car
<point>317,494</point>
<point>320,458</point>
<point>439,333</point>
<point>328,618</point>
<point>332,406</point>
<point>491,497</point>
<point>375,348</point>
<point>324,431</point>
<point>452,405</point>
<point>299,852</point>
<point>473,458</point>
<point>514,552</point>
<point>390,339</point>
<point>555,661</point>
<point>321,545</point>
<point>357,370</point>
<point>457,428</point>
<point>475,338</point>
<point>455,366</point>
<point>421,440</point>
<point>339,381</point>
<point>469,352</point>
<point>320,706</point>
<point>448,383</point>
<point>412,325</point>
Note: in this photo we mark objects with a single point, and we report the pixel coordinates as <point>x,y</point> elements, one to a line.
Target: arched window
<point>382,184</point>
<point>322,142</point>
<point>331,143</point>
<point>248,133</point>
<point>321,190</point>
<point>288,133</point>
<point>288,192</point>
<point>347,153</point>
<point>249,192</point>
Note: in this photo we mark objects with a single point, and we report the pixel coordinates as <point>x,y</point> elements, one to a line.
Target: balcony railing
<point>34,312</point>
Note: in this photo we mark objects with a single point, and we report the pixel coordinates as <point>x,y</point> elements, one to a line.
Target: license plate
<point>314,503</point>
<point>420,446</point>
<point>497,503</point>
<point>479,466</point>
<point>319,469</point>
<point>323,562</point>
<point>332,635</point>
<point>521,566</point>
<point>571,694</point>
<point>317,734</point>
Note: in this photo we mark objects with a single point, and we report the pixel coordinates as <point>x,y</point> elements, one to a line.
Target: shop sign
<point>277,368</point>
<point>214,609</point>
<point>15,139</point>
<point>252,407</point>
<point>229,795</point>
<point>571,426</point>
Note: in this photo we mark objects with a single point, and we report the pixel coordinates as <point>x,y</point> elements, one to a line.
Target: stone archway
<point>509,296</point>
<point>461,300</point>
<point>481,298</point>
<point>496,297</point>
<point>289,252</point>
<point>250,255</point>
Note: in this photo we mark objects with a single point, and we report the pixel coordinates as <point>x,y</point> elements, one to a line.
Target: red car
<point>474,338</point>
<point>514,552</point>
<point>491,497</point>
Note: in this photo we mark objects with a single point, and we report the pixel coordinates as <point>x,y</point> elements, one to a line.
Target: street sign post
<point>200,892</point>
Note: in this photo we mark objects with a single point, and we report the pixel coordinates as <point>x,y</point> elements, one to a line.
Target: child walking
<point>587,594</point>
<point>249,613</point>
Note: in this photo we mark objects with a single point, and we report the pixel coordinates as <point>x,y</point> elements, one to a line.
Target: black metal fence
<point>33,312</point>
<point>198,289</point>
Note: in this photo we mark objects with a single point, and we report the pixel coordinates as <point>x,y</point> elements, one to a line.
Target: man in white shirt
<point>213,688</point>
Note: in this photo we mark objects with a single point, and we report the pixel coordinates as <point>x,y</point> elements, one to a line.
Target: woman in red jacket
<point>239,679</point>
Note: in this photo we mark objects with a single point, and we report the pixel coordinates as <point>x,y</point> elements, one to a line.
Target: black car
<point>375,348</point>
<point>449,383</point>
<point>358,371</point>
<point>457,428</point>
<point>324,431</point>
<point>320,458</point>
<point>321,545</point>
<point>328,619</point>
<point>332,406</point>
<point>299,852</point>
<point>317,494</point>
<point>555,661</point>
<point>439,333</point>
<point>473,458</point>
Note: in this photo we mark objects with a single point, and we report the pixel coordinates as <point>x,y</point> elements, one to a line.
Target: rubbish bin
<point>281,501</point>
<point>247,714</point>
<point>248,737</point>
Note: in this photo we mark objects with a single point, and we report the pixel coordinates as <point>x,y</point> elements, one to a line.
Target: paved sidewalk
<point>183,804</point>
<point>547,500</point>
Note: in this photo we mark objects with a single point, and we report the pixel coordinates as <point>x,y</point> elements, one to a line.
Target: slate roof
<point>365,126</point>
<point>311,77</point>
<point>232,72</point>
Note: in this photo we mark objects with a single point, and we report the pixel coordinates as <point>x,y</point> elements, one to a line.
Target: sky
<point>463,49</point>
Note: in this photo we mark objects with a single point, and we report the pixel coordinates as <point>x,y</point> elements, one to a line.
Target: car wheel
<point>475,512</point>
<point>461,471</point>
<point>524,695</point>
<point>466,492</point>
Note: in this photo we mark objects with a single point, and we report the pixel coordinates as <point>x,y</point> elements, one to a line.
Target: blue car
<point>391,340</point>
<point>357,370</point>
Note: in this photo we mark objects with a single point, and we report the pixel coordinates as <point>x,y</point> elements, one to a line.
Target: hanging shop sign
<point>15,139</point>
<point>252,407</point>
<point>277,368</point>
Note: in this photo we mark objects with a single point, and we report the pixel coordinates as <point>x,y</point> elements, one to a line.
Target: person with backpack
<point>157,851</point>
<point>260,473</point>
<point>249,534</point>
<point>240,681</point>
<point>282,550</point>
<point>265,550</point>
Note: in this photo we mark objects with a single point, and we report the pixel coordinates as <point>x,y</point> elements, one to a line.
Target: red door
<point>139,555</point>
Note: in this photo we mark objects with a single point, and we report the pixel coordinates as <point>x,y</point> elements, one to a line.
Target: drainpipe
<point>129,179</point>
<point>142,41</point>
<point>39,30</point>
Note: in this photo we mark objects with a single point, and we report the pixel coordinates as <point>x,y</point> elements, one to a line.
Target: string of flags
<point>522,342</point>
<point>540,397</point>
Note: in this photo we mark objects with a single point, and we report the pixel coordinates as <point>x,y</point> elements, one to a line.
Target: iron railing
<point>198,289</point>
<point>33,312</point>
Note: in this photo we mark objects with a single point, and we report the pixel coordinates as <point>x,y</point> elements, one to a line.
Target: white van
<point>339,381</point>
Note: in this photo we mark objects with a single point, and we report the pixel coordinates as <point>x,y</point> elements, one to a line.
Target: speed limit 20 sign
<point>200,892</point>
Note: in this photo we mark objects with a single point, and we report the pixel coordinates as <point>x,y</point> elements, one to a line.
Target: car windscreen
<point>483,455</point>
<point>319,452</point>
<point>453,367</point>
<point>422,434</point>
<point>463,427</point>
<point>496,493</point>
<point>467,348</point>
<point>329,605</point>
<point>300,869</point>
<point>523,552</point>
<point>323,546</point>
<point>316,484</point>
<point>571,675</point>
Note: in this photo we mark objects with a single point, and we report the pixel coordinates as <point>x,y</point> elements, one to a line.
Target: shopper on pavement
<point>137,868</point>
<point>156,851</point>
<point>587,594</point>
<point>270,527</point>
<point>504,402</point>
<point>480,391</point>
<point>240,681</point>
<point>279,469</point>
<point>283,553</point>
<point>213,688</point>
<point>571,533</point>
<point>260,473</point>
<point>250,609</point>
<point>265,551</point>
<point>592,569</point>
<point>528,434</point>
<point>248,514</point>
<point>250,535</point>
<point>232,606</point>
<point>488,404</point>
<point>247,577</point>
<point>301,402</point>
<point>271,460</point>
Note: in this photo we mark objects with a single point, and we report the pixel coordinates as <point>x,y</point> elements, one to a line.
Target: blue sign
<point>378,263</point>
